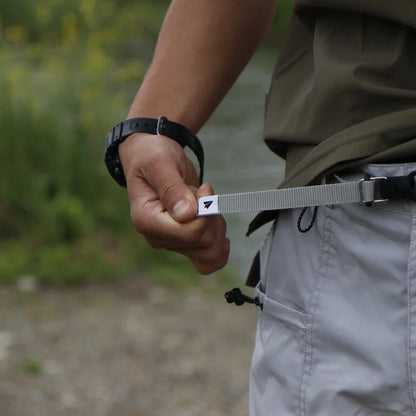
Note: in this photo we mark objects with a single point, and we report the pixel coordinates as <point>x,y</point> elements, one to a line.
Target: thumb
<point>175,195</point>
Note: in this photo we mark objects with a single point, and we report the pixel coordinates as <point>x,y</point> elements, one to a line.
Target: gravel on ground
<point>129,349</point>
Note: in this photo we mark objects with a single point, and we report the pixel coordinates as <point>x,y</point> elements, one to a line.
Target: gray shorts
<point>337,333</point>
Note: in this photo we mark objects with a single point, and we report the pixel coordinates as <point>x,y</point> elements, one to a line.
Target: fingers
<point>163,203</point>
<point>214,247</point>
<point>203,240</point>
<point>212,258</point>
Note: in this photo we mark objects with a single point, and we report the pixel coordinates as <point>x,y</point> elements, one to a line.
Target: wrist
<point>147,126</point>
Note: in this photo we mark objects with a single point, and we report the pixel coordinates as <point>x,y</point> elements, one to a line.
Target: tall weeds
<point>68,71</point>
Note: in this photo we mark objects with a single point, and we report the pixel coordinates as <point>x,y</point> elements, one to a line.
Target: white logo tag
<point>208,205</point>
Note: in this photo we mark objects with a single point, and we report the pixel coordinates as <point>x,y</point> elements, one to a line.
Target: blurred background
<point>70,261</point>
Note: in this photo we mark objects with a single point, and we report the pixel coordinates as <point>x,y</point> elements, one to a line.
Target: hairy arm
<point>203,46</point>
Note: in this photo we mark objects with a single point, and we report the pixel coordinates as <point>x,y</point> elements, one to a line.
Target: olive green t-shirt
<point>343,91</point>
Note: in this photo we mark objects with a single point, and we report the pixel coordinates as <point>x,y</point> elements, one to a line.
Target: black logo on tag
<point>207,204</point>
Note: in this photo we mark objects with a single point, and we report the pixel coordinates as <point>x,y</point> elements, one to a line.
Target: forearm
<point>202,48</point>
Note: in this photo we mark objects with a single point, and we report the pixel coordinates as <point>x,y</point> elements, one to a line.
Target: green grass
<point>68,71</point>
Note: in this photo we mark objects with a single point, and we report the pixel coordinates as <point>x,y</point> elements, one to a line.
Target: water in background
<point>237,159</point>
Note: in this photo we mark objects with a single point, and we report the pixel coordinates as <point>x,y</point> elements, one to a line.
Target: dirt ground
<point>133,349</point>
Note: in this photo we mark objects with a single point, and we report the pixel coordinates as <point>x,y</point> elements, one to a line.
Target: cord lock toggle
<point>236,296</point>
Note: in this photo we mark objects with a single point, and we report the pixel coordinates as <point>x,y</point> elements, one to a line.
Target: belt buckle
<point>362,193</point>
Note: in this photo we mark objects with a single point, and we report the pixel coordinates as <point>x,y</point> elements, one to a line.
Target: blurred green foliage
<point>68,71</point>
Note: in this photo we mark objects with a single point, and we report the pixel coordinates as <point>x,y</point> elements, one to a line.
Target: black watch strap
<point>161,126</point>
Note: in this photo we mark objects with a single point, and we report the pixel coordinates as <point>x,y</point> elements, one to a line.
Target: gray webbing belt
<point>366,191</point>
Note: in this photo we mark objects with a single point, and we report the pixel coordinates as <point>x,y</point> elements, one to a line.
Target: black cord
<point>309,227</point>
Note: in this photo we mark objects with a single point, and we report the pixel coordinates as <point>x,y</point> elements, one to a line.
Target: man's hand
<point>163,186</point>
<point>202,48</point>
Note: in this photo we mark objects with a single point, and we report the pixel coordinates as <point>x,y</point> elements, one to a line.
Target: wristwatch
<point>161,126</point>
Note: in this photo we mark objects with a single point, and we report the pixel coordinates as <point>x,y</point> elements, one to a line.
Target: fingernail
<point>180,208</point>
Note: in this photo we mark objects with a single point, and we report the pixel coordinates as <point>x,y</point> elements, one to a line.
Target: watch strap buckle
<point>161,123</point>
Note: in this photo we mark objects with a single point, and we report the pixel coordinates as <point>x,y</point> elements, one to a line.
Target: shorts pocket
<point>292,266</point>
<point>280,311</point>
